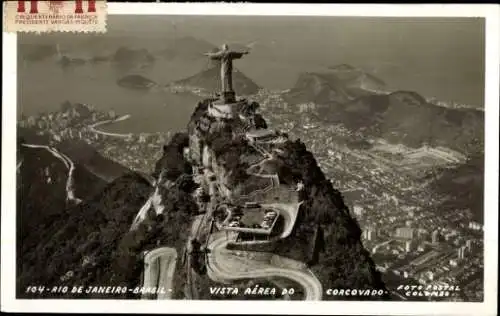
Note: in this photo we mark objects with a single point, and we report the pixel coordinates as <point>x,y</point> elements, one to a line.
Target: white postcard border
<point>487,307</point>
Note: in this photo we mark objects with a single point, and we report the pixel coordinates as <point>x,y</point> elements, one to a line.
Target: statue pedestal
<point>228,97</point>
<point>222,109</point>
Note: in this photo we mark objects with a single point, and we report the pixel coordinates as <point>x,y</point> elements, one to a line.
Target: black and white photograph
<point>253,158</point>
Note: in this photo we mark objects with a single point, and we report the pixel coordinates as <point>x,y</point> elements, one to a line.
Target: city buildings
<point>358,211</point>
<point>405,232</point>
<point>461,253</point>
<point>369,234</point>
<point>435,237</point>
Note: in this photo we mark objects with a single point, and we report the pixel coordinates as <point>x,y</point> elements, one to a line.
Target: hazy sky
<point>441,57</point>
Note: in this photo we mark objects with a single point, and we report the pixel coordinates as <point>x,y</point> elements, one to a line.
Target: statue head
<point>225,47</point>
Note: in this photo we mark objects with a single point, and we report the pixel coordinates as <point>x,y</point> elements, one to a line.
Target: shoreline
<point>93,128</point>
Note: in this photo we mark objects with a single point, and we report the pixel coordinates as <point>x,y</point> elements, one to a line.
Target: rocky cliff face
<point>325,236</point>
<point>339,257</point>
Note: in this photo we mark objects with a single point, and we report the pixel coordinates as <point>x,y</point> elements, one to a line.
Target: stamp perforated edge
<point>100,29</point>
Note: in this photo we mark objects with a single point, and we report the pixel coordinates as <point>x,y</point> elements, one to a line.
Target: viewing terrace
<point>253,218</point>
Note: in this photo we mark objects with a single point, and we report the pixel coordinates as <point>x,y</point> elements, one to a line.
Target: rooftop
<point>257,133</point>
<point>252,220</point>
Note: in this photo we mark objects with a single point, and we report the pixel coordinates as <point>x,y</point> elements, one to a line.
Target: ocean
<point>437,58</point>
<point>44,86</point>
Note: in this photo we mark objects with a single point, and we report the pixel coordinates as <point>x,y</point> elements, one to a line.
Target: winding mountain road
<point>227,266</point>
<point>159,268</point>
<point>141,215</point>
<point>159,263</point>
<point>70,191</point>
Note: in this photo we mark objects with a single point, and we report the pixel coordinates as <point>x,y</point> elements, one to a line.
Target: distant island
<point>136,82</point>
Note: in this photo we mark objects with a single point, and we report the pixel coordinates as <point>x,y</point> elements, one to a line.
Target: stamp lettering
<point>55,16</point>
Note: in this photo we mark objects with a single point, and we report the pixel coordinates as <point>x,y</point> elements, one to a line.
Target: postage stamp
<point>224,158</point>
<point>83,16</point>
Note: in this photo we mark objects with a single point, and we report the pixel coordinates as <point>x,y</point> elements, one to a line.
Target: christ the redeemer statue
<point>226,70</point>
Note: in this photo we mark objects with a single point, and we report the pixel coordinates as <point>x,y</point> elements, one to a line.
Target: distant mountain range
<point>210,80</point>
<point>356,78</point>
<point>405,117</point>
<point>36,52</point>
<point>122,55</point>
<point>356,99</point>
<point>178,49</point>
<point>340,84</point>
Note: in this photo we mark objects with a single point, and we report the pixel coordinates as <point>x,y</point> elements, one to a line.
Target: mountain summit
<point>340,84</point>
<point>253,165</point>
<point>209,80</point>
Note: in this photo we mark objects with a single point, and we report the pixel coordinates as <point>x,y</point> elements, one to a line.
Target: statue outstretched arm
<point>216,55</point>
<point>238,54</point>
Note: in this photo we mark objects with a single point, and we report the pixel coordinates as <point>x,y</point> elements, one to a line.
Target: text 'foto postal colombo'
<point>55,16</point>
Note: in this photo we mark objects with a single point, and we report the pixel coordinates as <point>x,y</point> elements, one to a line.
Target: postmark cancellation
<point>88,16</point>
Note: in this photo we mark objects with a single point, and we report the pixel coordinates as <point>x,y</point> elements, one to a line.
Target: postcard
<point>250,158</point>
